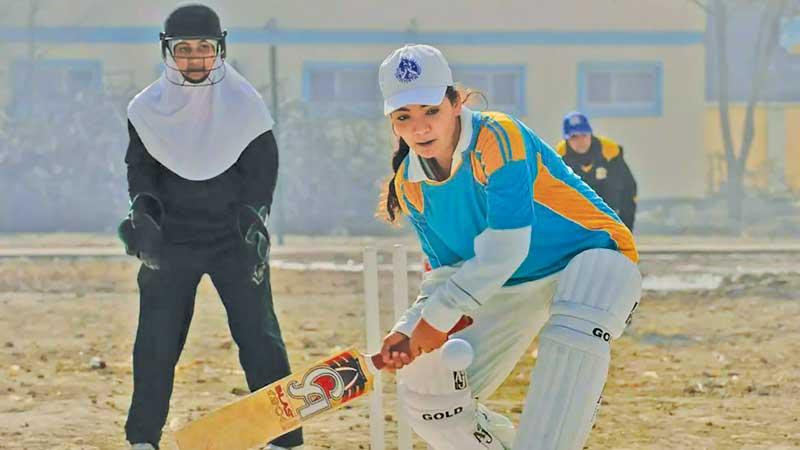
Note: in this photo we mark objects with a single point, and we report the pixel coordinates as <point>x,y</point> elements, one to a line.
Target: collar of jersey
<point>417,174</point>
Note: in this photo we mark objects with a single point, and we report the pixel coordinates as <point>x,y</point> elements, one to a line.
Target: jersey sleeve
<point>142,169</point>
<point>258,166</point>
<point>502,148</point>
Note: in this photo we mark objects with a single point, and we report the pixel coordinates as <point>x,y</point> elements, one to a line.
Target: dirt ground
<point>710,369</point>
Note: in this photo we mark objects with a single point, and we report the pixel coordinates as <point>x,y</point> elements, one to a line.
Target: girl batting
<point>516,241</point>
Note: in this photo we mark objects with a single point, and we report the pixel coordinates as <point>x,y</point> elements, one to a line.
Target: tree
<point>61,164</point>
<point>772,13</point>
<point>333,167</point>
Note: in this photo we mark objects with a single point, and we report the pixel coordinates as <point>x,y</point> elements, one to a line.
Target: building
<point>637,67</point>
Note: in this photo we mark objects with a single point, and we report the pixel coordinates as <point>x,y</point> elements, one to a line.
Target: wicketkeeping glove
<point>140,231</point>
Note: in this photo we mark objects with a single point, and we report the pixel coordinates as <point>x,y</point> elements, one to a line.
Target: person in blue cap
<point>598,161</point>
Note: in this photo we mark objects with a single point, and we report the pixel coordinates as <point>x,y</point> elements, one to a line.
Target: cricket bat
<point>286,404</point>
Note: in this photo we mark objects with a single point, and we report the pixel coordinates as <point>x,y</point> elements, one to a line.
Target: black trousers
<point>166,299</point>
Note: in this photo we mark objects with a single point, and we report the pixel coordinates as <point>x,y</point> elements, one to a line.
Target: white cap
<point>414,75</point>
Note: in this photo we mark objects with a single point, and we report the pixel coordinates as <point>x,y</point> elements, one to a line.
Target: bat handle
<point>405,346</point>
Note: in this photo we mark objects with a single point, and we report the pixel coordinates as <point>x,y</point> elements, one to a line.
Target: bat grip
<point>405,345</point>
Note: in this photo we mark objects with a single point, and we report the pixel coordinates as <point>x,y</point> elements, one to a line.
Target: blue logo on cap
<point>408,70</point>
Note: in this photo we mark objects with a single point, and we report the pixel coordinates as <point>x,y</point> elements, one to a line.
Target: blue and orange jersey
<point>505,178</point>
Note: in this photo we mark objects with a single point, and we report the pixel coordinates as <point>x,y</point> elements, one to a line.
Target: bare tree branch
<point>702,6</point>
<point>758,52</point>
<point>764,51</point>
<point>33,10</point>
<point>720,28</point>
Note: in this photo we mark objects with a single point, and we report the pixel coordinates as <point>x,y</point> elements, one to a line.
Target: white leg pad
<point>597,292</point>
<point>566,385</point>
<point>439,406</point>
<point>598,286</point>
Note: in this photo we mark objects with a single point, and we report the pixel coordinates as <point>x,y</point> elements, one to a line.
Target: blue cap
<point>576,123</point>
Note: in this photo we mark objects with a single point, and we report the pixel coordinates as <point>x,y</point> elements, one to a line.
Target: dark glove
<point>253,230</point>
<point>140,231</point>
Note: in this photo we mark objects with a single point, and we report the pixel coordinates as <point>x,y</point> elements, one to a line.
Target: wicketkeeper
<point>202,167</point>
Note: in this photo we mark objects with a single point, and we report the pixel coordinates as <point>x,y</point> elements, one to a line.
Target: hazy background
<point>704,96</point>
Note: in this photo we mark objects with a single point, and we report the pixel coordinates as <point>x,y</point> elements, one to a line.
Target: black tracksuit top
<point>205,211</point>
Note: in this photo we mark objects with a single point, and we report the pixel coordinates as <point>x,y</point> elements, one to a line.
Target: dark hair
<point>389,204</point>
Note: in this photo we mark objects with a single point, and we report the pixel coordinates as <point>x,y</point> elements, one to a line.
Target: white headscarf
<point>199,132</point>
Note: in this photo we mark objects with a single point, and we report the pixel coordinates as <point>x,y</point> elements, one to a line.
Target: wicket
<point>373,327</point>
